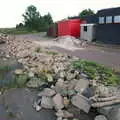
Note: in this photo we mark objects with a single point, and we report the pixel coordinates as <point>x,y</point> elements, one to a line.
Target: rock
<point>59,118</point>
<point>35,83</point>
<point>58,101</point>
<point>47,92</point>
<point>59,86</point>
<point>71,92</point>
<point>18,71</point>
<point>104,110</point>
<point>64,114</point>
<point>60,113</point>
<point>62,74</point>
<point>114,114</point>
<point>49,78</point>
<point>81,102</point>
<point>7,56</point>
<point>102,91</point>
<point>38,108</point>
<point>81,85</point>
<point>67,114</point>
<point>100,117</point>
<point>30,74</point>
<point>72,84</point>
<point>46,102</point>
<point>70,76</point>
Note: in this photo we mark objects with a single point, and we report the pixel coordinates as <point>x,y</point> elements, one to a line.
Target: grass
<point>16,31</point>
<point>52,53</point>
<point>38,49</point>
<point>93,71</point>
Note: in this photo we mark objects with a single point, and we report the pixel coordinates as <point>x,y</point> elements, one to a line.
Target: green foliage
<point>34,21</point>
<point>38,50</point>
<point>52,53</point>
<point>5,68</point>
<point>86,12</point>
<point>94,70</point>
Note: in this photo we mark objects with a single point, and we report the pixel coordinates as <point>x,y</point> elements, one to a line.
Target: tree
<point>20,25</point>
<point>48,18</point>
<point>86,12</point>
<point>31,18</point>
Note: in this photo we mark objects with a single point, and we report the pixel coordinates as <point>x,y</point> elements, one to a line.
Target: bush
<point>52,53</point>
<point>94,71</point>
<point>38,50</point>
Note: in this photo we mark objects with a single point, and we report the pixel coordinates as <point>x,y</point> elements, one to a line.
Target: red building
<point>69,27</point>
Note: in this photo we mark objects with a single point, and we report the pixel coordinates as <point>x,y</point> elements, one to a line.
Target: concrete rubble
<point>59,84</point>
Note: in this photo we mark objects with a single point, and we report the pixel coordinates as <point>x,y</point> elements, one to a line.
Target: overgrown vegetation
<point>52,53</point>
<point>97,71</point>
<point>38,50</point>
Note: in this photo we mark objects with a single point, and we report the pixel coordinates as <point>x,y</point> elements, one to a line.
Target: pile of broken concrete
<point>3,38</point>
<point>64,86</point>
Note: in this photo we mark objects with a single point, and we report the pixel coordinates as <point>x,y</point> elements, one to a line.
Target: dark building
<point>90,19</point>
<point>108,27</point>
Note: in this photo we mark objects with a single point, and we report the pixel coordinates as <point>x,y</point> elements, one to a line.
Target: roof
<point>109,11</point>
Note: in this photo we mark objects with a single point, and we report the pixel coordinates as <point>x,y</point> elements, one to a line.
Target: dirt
<point>104,55</point>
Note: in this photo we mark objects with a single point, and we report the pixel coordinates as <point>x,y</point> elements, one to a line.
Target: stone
<point>100,117</point>
<point>38,108</point>
<point>103,91</point>
<point>62,74</point>
<point>60,113</point>
<point>7,56</point>
<point>34,83</point>
<point>67,114</point>
<point>46,102</point>
<point>49,78</point>
<point>47,92</point>
<point>81,102</point>
<point>72,84</point>
<point>81,85</point>
<point>30,74</point>
<point>70,76</point>
<point>18,71</point>
<point>114,114</point>
<point>59,118</point>
<point>59,86</point>
<point>58,101</point>
<point>64,114</point>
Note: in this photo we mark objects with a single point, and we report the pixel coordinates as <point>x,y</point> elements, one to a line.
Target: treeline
<point>33,21</point>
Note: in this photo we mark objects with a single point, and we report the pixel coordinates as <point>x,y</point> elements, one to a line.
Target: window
<point>109,19</point>
<point>85,28</point>
<point>117,19</point>
<point>101,20</point>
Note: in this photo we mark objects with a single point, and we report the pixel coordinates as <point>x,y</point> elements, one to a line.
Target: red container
<point>69,27</point>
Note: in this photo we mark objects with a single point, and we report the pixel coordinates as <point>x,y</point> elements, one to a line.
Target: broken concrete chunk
<point>47,92</point>
<point>46,102</point>
<point>81,85</point>
<point>100,117</point>
<point>18,71</point>
<point>81,102</point>
<point>58,101</point>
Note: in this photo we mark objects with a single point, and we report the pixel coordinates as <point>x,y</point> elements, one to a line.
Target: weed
<point>52,53</point>
<point>38,50</point>
<point>94,70</point>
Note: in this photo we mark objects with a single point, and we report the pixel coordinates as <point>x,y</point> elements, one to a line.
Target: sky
<point>11,10</point>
